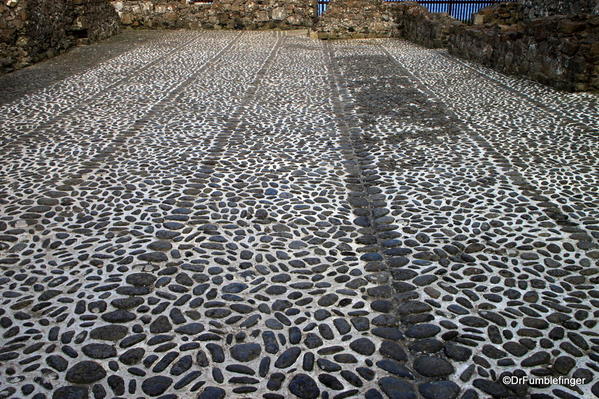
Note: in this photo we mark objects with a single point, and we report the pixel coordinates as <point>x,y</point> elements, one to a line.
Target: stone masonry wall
<point>345,19</point>
<point>94,20</point>
<point>355,19</point>
<point>560,51</point>
<point>221,14</point>
<point>33,30</point>
<point>12,21</point>
<point>417,25</point>
<point>501,14</point>
<point>543,8</point>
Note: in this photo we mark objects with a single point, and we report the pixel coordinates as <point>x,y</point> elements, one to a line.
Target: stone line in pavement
<point>578,106</point>
<point>269,216</point>
<point>554,291</point>
<point>292,173</point>
<point>21,118</point>
<point>99,121</point>
<point>549,150</point>
<point>170,98</point>
<point>222,251</point>
<point>232,130</point>
<point>382,250</point>
<point>197,55</point>
<point>84,136</point>
<point>550,208</point>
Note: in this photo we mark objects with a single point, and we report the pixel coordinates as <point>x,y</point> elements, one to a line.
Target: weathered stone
<point>155,386</point>
<point>99,351</point>
<point>212,393</point>
<point>439,390</point>
<point>27,36</point>
<point>430,366</point>
<point>71,392</point>
<point>363,346</point>
<point>109,333</point>
<point>228,14</point>
<point>492,388</point>
<point>304,387</point>
<point>245,352</point>
<point>57,362</point>
<point>397,388</point>
<point>85,372</point>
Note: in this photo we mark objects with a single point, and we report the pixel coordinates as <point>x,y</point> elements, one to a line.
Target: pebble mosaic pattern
<point>259,214</point>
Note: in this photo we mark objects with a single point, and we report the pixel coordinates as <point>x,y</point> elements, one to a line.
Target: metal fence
<point>321,6</point>
<point>459,9</point>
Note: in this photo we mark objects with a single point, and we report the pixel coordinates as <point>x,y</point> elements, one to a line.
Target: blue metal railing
<point>321,6</point>
<point>459,9</point>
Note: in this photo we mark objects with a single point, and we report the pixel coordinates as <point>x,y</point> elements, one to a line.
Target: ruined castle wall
<point>543,8</point>
<point>12,21</point>
<point>561,51</point>
<point>346,19</point>
<point>33,30</point>
<point>416,24</point>
<point>220,14</point>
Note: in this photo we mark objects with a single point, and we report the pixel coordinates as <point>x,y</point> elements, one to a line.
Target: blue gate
<point>459,9</point>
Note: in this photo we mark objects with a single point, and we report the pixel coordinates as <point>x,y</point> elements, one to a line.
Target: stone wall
<point>417,25</point>
<point>543,8</point>
<point>221,14</point>
<point>12,20</point>
<point>560,51</point>
<point>346,19</point>
<point>501,14</point>
<point>94,20</point>
<point>33,30</point>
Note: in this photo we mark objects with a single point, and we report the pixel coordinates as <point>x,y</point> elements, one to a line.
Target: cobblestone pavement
<point>79,59</point>
<point>258,214</point>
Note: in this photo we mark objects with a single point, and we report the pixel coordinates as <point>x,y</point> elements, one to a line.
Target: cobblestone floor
<point>262,215</point>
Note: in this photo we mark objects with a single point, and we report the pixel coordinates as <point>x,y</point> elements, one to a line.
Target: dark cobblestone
<point>225,214</point>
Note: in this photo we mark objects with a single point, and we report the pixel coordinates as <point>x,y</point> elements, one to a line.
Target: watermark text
<point>544,380</point>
